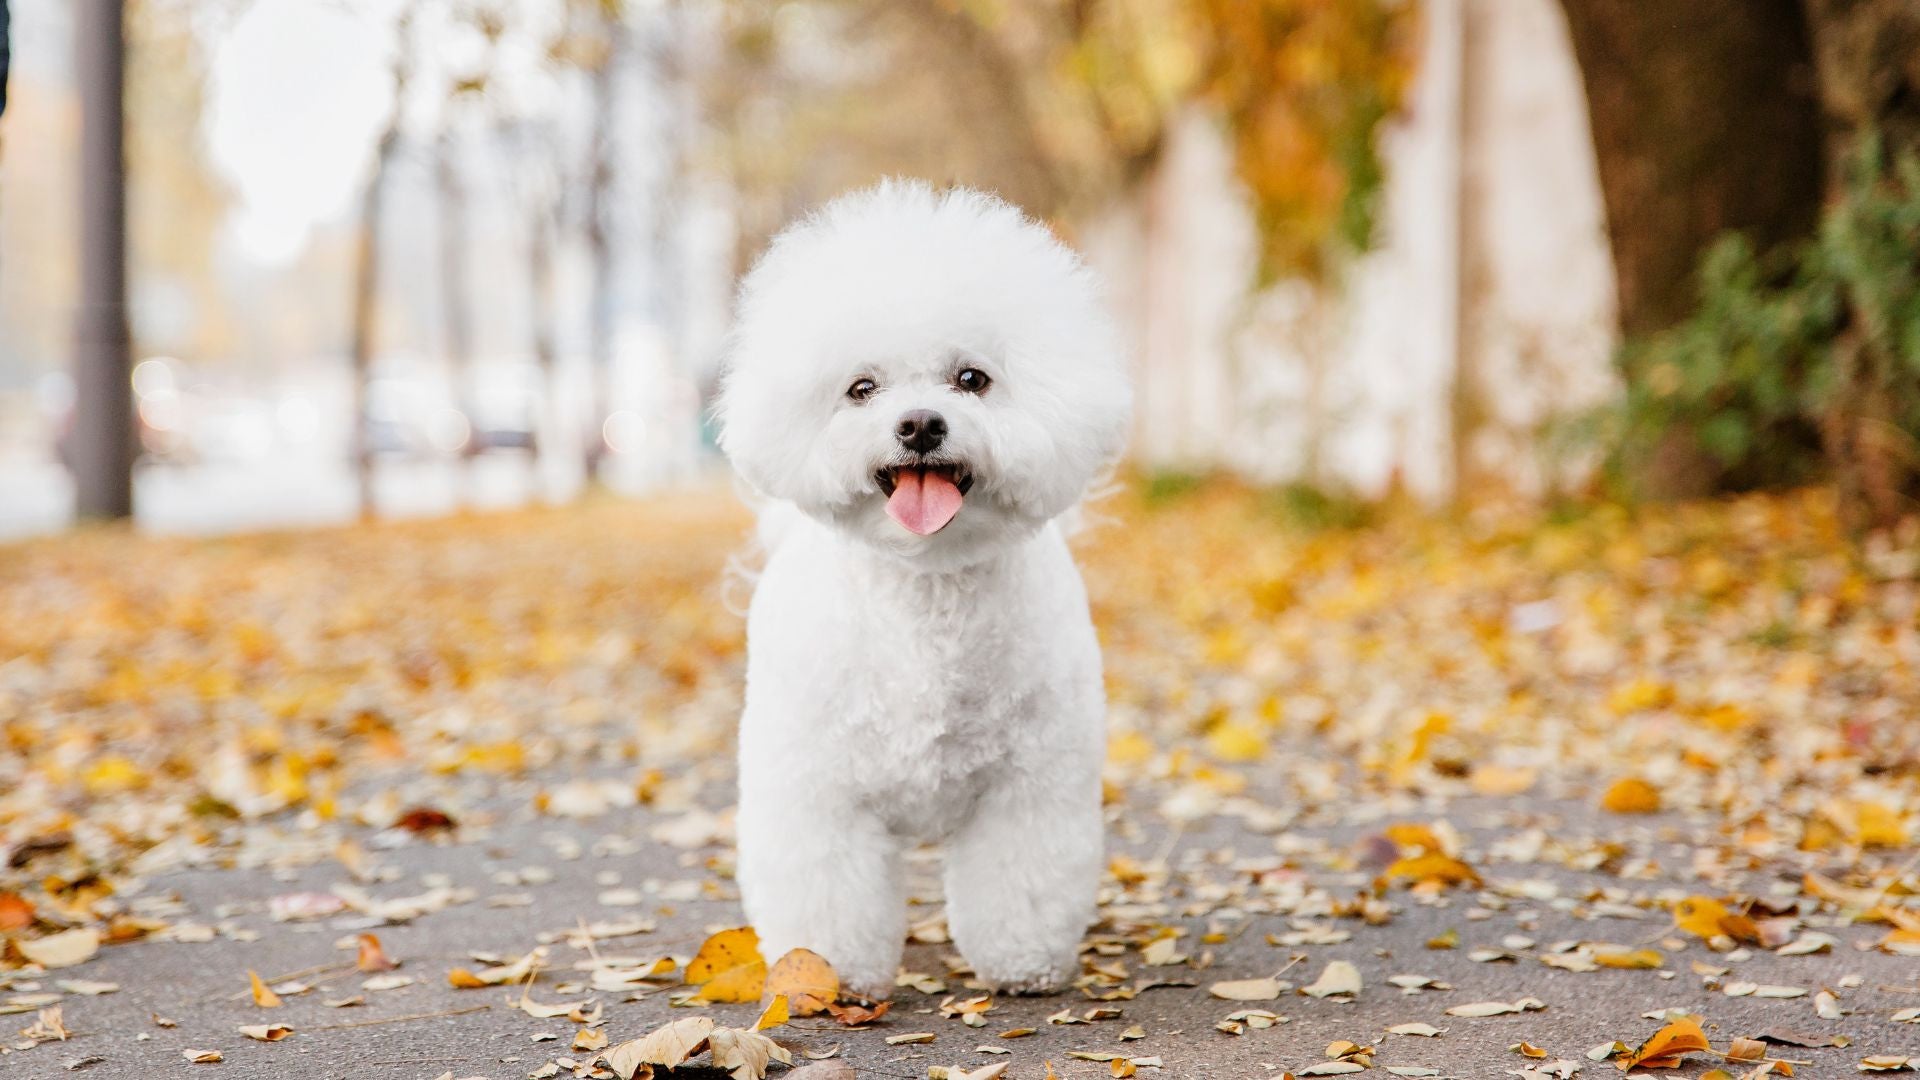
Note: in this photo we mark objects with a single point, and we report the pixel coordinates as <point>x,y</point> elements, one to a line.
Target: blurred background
<point>268,262</point>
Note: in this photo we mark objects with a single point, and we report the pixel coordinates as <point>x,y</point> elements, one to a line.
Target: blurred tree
<point>1062,105</point>
<point>599,56</point>
<point>102,440</point>
<point>6,54</point>
<point>1759,352</point>
<point>1705,118</point>
<point>1304,85</point>
<point>177,204</point>
<point>366,269</point>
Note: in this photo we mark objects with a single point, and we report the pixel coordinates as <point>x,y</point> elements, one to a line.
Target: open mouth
<point>924,498</point>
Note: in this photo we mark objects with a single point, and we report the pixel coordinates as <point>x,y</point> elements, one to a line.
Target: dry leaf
<point>745,1054</point>
<point>775,1014</point>
<point>1631,795</point>
<point>266,1032</point>
<point>668,1047</point>
<point>1668,1046</point>
<point>806,979</point>
<point>1244,990</point>
<point>1339,978</point>
<point>263,995</point>
<point>202,1057</point>
<point>65,949</point>
<point>729,969</point>
<point>371,956</point>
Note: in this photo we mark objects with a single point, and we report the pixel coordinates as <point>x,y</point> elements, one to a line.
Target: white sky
<point>298,91</point>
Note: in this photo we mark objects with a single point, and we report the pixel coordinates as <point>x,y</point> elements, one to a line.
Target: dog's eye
<point>862,389</point>
<point>972,380</point>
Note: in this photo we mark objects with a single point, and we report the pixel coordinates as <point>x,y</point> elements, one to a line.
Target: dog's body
<point>930,381</point>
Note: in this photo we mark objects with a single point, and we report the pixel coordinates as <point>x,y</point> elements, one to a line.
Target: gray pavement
<point>1224,870</point>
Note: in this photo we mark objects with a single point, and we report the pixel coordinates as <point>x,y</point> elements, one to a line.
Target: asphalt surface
<point>615,866</point>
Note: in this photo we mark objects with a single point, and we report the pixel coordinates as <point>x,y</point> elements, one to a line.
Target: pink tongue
<point>923,502</point>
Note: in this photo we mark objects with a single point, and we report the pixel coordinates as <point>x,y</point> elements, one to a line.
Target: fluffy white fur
<point>905,688</point>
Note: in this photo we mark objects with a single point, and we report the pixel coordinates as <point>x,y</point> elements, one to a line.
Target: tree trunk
<point>103,440</point>
<point>1867,53</point>
<point>455,310</point>
<point>600,248</point>
<point>1704,120</point>
<point>366,273</point>
<point>541,319</point>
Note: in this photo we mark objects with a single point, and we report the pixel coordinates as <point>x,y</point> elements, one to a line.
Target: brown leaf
<point>424,821</point>
<point>856,1015</point>
<point>808,981</point>
<point>372,957</point>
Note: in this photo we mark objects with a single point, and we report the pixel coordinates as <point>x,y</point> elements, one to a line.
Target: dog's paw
<point>1041,985</point>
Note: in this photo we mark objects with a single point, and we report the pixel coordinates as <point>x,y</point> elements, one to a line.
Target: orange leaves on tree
<point>1668,1047</point>
<point>729,969</point>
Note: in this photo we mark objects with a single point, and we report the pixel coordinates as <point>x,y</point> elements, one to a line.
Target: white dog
<point>930,380</point>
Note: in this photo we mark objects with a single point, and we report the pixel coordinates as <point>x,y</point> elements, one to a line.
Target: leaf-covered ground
<point>1501,791</point>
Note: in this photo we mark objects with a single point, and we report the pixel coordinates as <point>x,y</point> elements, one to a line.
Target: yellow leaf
<point>1668,1046</point>
<point>1699,916</point>
<point>728,969</point>
<point>263,995</point>
<point>775,1014</point>
<point>807,981</point>
<point>113,774</point>
<point>1629,959</point>
<point>1433,866</point>
<point>1231,742</point>
<point>1631,795</point>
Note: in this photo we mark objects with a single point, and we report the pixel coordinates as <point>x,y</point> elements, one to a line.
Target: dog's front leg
<point>816,873</point>
<point>1021,879</point>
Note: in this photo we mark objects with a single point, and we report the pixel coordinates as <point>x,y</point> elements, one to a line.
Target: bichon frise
<point>920,384</point>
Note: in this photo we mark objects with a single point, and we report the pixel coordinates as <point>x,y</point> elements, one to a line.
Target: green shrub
<point>1799,365</point>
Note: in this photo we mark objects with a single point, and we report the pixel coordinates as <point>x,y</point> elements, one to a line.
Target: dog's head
<point>929,371</point>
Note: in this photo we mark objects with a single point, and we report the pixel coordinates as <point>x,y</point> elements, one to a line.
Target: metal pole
<point>102,437</point>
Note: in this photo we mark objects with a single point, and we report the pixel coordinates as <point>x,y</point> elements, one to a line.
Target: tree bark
<point>366,272</point>
<point>1867,53</point>
<point>1705,119</point>
<point>599,210</point>
<point>103,441</point>
<point>455,310</point>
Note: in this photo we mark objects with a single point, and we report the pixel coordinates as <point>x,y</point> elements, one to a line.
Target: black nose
<point>921,430</point>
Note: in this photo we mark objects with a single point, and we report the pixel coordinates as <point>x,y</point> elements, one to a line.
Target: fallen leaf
<point>266,1032</point>
<point>806,979</point>
<point>1338,978</point>
<point>729,969</point>
<point>668,1047</point>
<point>745,1054</point>
<point>1668,1046</point>
<point>202,1057</point>
<point>371,956</point>
<point>65,949</point>
<point>263,995</point>
<point>16,912</point>
<point>1631,795</point>
<point>1244,990</point>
